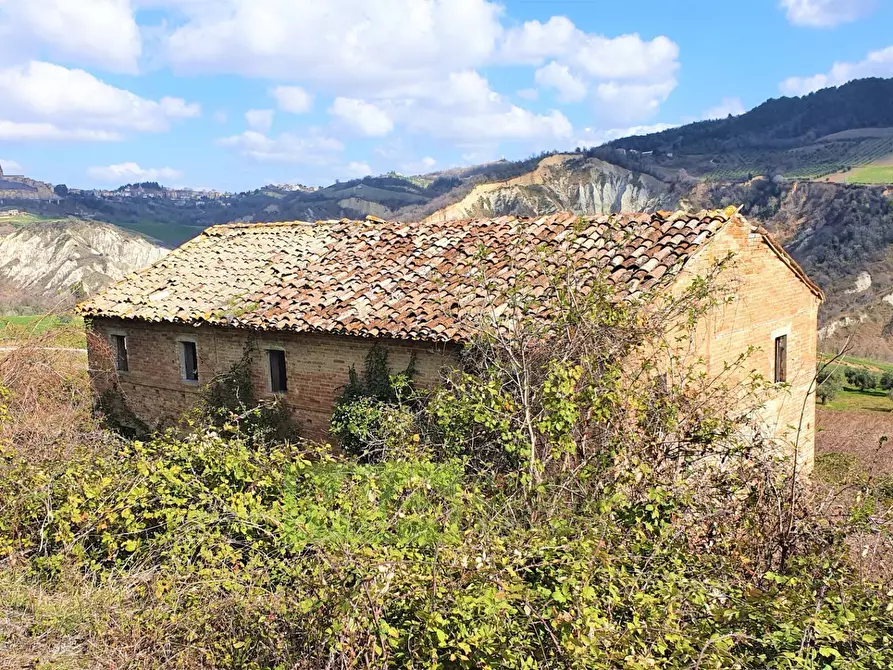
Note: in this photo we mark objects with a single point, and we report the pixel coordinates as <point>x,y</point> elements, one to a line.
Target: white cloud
<point>358,169</point>
<point>528,94</point>
<point>293,99</point>
<point>13,131</point>
<point>629,103</point>
<point>132,172</point>
<point>593,137</point>
<point>559,77</point>
<point>630,77</point>
<point>95,32</point>
<point>359,45</point>
<point>876,64</point>
<point>11,167</point>
<point>371,50</point>
<point>284,148</point>
<point>826,13</point>
<point>362,116</point>
<point>464,109</point>
<point>726,106</point>
<point>259,119</point>
<point>46,101</point>
<point>423,166</point>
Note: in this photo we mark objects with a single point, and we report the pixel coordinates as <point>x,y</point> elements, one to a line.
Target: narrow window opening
<point>190,361</point>
<point>278,376</point>
<point>781,358</point>
<point>121,363</point>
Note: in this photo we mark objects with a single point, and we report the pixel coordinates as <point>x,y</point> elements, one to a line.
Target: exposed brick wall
<point>317,366</point>
<point>769,300</point>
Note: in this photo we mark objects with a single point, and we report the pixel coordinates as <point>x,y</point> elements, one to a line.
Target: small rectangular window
<point>190,361</point>
<point>781,358</point>
<point>278,377</point>
<point>120,342</point>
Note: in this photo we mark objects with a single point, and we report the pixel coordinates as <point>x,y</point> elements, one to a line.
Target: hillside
<point>48,264</point>
<point>791,163</point>
<point>824,133</point>
<point>564,182</point>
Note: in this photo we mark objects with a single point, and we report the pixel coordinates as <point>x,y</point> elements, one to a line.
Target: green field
<point>872,174</point>
<point>855,361</point>
<point>854,400</point>
<point>59,331</point>
<point>25,218</point>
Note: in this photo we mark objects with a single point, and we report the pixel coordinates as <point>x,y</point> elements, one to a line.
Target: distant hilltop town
<point>19,187</point>
<point>150,190</point>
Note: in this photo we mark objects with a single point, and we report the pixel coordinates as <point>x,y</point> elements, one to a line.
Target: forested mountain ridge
<point>781,122</point>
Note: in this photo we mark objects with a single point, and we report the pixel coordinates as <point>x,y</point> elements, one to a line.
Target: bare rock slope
<point>42,262</point>
<point>565,183</point>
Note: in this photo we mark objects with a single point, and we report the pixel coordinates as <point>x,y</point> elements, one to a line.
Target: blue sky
<point>234,94</point>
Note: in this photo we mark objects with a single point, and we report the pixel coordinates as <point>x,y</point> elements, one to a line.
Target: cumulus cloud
<point>593,137</point>
<point>11,167</point>
<point>259,119</point>
<point>284,148</point>
<point>826,13</point>
<point>345,44</point>
<point>377,50</point>
<point>103,33</point>
<point>628,103</point>
<point>46,101</point>
<point>293,99</point>
<point>362,116</point>
<point>559,77</point>
<point>25,132</point>
<point>726,106</point>
<point>875,64</point>
<point>628,77</point>
<point>358,169</point>
<point>465,110</point>
<point>131,172</point>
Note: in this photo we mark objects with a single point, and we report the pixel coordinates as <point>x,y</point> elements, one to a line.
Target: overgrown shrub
<point>581,496</point>
<point>374,418</point>
<point>229,402</point>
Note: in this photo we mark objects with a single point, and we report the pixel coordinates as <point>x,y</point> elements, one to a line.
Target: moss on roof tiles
<point>417,281</point>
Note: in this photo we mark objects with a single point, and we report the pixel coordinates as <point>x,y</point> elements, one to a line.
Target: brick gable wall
<point>767,300</point>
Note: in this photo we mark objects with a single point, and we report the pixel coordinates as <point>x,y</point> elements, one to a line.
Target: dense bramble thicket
<point>577,495</point>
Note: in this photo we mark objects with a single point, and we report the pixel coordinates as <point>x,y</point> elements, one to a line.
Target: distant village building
<point>18,187</point>
<point>313,298</point>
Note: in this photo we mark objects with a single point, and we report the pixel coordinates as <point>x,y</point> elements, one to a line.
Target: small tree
<point>830,383</point>
<point>887,380</point>
<point>861,379</point>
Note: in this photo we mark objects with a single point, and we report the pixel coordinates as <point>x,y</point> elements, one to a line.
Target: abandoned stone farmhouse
<point>313,298</point>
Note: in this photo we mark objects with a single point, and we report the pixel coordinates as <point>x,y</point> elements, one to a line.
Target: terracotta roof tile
<point>370,278</point>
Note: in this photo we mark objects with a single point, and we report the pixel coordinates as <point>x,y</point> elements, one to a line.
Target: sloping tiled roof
<point>386,279</point>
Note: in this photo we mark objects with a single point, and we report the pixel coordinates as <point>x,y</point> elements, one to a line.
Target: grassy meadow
<point>872,174</point>
<point>52,330</point>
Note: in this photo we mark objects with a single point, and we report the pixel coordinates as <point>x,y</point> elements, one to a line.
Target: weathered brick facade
<point>768,301</point>
<point>419,284</point>
<point>317,366</point>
